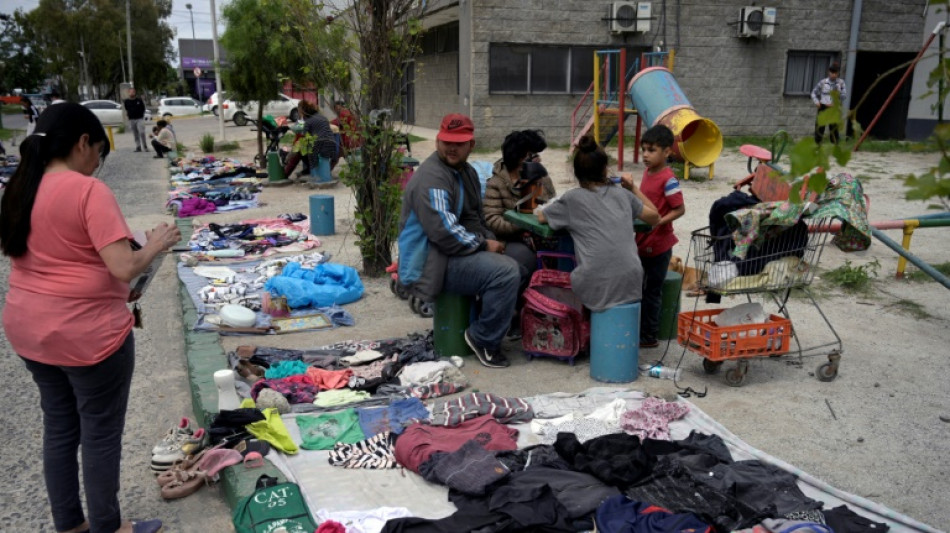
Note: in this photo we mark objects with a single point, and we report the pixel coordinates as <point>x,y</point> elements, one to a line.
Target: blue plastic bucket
<point>615,343</point>
<point>322,221</point>
<point>320,172</point>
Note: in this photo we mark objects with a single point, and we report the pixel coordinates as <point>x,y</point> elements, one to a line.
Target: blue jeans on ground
<point>654,274</point>
<point>494,278</point>
<point>84,405</point>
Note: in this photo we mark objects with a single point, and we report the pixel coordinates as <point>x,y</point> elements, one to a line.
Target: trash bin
<point>452,316</point>
<point>322,221</point>
<point>615,343</point>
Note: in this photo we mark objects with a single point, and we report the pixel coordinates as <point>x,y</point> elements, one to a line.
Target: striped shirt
<point>821,94</point>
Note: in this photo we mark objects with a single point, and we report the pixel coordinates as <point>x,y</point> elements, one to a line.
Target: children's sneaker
<point>174,438</point>
<point>189,445</point>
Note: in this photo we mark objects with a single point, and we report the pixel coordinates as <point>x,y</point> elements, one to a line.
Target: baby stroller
<point>273,130</point>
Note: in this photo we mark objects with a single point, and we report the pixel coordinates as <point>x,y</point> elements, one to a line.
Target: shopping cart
<point>785,260</point>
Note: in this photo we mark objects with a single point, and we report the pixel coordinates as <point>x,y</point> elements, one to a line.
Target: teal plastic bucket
<point>320,172</point>
<point>615,343</point>
<point>322,221</point>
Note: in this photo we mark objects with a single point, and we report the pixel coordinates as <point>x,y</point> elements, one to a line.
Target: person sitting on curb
<point>164,141</point>
<point>445,244</point>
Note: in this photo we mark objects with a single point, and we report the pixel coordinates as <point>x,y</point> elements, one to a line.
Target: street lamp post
<point>193,52</point>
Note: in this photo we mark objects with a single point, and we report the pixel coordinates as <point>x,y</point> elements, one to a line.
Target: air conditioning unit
<point>630,17</point>
<point>756,22</point>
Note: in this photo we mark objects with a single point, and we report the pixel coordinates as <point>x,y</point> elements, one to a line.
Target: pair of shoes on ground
<point>179,442</point>
<point>186,476</point>
<point>491,358</point>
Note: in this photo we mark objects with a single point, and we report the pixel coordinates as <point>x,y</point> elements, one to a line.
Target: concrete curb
<point>204,355</point>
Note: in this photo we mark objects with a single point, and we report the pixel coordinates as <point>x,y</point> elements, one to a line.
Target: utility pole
<point>194,53</point>
<point>128,38</point>
<point>217,71</point>
<point>85,69</point>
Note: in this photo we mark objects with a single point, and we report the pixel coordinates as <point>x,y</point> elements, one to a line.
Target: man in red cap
<point>445,245</point>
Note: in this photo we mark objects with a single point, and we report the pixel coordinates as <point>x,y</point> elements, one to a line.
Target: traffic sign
<point>197,72</point>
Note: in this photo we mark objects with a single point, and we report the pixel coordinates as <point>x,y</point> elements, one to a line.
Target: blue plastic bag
<point>327,284</point>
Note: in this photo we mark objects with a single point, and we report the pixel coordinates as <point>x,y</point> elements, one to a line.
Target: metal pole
<point>852,60</point>
<point>128,38</point>
<point>867,131</point>
<point>194,53</point>
<point>217,71</point>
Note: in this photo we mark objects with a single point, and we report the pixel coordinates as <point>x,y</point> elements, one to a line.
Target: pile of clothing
<point>209,168</point>
<point>255,237</point>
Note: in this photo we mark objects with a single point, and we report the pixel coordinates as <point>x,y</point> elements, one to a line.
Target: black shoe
<point>487,357</point>
<point>647,342</point>
<point>514,333</point>
<point>137,149</point>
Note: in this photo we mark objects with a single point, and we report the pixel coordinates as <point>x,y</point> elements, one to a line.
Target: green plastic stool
<point>452,316</point>
<point>275,171</point>
<point>670,305</point>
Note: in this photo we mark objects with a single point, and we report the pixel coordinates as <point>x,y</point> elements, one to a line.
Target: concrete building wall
<point>738,83</point>
<point>436,88</point>
<point>923,114</point>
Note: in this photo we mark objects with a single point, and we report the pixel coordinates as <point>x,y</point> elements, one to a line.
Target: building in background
<point>527,64</point>
<point>196,66</point>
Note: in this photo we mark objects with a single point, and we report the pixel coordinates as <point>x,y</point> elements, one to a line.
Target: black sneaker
<point>487,357</point>
<point>648,342</point>
<point>514,333</point>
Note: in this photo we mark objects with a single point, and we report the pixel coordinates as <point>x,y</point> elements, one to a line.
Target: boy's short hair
<point>833,68</point>
<point>658,135</point>
<point>162,123</point>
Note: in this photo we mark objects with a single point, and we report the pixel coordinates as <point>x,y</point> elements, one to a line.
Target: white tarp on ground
<point>336,489</point>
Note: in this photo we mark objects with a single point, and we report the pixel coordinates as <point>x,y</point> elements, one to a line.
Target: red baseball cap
<point>456,128</point>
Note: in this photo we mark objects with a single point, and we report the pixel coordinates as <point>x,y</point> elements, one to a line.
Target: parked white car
<point>178,106</point>
<point>282,106</point>
<point>212,103</point>
<point>107,111</point>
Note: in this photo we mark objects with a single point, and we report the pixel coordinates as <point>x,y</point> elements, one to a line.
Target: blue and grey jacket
<point>441,217</point>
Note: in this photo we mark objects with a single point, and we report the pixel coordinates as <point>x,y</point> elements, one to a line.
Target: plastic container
<point>660,371</point>
<point>697,331</point>
<point>669,305</point>
<point>452,316</point>
<point>615,343</point>
<point>322,218</point>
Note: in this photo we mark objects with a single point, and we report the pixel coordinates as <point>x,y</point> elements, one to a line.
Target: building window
<point>440,40</point>
<point>529,69</point>
<point>804,70</point>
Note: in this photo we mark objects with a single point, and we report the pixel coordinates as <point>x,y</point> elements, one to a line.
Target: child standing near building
<point>599,215</point>
<point>656,246</point>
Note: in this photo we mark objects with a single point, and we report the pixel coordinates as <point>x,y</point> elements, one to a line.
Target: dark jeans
<point>495,279</point>
<point>654,274</point>
<point>160,148</point>
<point>819,130</point>
<point>84,405</point>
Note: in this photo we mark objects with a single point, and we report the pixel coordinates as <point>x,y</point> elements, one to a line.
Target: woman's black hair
<point>58,130</point>
<point>519,144</point>
<point>590,162</point>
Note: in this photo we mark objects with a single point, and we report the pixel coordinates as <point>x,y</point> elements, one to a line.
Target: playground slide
<point>659,100</point>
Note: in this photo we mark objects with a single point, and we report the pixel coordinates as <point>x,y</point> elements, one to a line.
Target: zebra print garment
<point>375,453</point>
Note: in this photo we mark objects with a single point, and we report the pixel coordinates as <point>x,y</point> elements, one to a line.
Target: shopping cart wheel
<point>710,366</point>
<point>735,376</point>
<point>426,309</point>
<point>414,304</point>
<point>827,372</point>
<point>400,290</point>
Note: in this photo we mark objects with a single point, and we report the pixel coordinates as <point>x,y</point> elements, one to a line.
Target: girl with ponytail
<point>66,314</point>
<point>599,216</point>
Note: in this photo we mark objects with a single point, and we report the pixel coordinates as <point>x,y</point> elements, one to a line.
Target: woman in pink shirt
<point>66,314</point>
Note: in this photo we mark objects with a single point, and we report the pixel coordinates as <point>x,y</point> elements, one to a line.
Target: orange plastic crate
<point>696,330</point>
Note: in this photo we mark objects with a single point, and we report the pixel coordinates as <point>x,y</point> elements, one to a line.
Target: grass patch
<point>415,138</point>
<point>206,143</point>
<point>7,134</point>
<point>920,276</point>
<point>120,129</point>
<point>910,308</point>
<point>11,109</point>
<point>853,278</point>
<point>738,140</point>
<point>229,146</point>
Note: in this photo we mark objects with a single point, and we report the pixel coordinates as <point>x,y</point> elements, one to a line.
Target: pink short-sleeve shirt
<point>64,307</point>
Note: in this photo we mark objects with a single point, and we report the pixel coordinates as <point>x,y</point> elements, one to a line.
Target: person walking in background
<point>655,247</point>
<point>135,109</point>
<point>30,113</point>
<point>163,141</point>
<point>821,95</point>
<point>66,315</point>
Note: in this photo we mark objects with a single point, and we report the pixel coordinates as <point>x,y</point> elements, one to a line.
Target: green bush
<point>207,143</point>
<point>180,148</point>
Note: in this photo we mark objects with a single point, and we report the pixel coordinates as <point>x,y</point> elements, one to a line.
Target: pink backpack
<point>554,323</point>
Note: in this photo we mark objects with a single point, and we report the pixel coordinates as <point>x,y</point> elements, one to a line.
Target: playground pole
<point>900,83</point>
<point>621,88</point>
<point>596,96</point>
